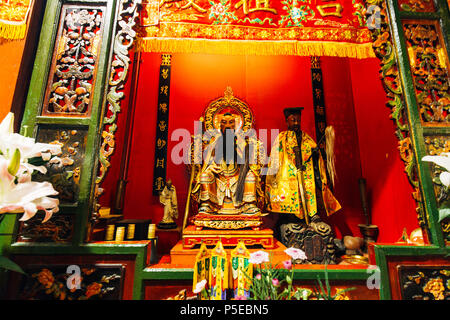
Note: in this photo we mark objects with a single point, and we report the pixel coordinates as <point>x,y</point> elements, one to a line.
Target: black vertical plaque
<point>162,125</point>
<point>319,104</point>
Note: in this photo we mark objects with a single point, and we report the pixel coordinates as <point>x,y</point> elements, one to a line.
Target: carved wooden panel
<point>50,282</point>
<point>429,68</point>
<point>424,282</point>
<point>64,171</point>
<point>416,5</point>
<point>58,229</point>
<point>74,63</point>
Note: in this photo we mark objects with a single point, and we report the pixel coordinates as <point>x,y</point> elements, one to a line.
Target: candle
<point>120,233</point>
<point>151,231</point>
<point>110,232</point>
<point>131,229</point>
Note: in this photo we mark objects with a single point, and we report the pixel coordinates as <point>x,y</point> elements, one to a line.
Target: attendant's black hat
<point>290,111</point>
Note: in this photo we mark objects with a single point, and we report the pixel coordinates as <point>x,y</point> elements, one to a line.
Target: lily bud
<point>14,164</point>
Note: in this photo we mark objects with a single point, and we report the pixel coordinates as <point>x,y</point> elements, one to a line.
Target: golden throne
<point>212,209</point>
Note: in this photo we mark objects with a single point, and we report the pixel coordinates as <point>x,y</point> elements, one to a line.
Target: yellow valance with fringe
<point>256,27</point>
<point>13,18</point>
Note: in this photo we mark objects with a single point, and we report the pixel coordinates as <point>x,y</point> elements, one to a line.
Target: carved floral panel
<point>429,69</point>
<point>424,282</point>
<point>58,229</point>
<point>74,64</point>
<point>64,170</point>
<point>54,282</point>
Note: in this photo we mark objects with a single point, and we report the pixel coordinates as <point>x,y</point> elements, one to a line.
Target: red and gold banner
<point>13,18</point>
<point>256,27</point>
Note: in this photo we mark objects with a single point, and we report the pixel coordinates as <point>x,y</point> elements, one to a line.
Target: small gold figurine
<point>168,197</point>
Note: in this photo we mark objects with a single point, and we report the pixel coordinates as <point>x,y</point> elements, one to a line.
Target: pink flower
<point>240,298</point>
<point>259,257</point>
<point>200,286</point>
<point>275,282</point>
<point>258,276</point>
<point>295,253</point>
<point>287,264</point>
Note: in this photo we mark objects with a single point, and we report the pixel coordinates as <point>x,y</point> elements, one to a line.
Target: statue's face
<point>227,122</point>
<point>169,183</point>
<point>294,122</point>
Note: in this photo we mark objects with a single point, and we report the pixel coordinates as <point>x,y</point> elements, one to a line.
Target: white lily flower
<point>442,160</point>
<point>445,178</point>
<point>28,147</point>
<point>17,191</point>
<point>27,196</point>
<point>7,124</point>
<point>10,141</point>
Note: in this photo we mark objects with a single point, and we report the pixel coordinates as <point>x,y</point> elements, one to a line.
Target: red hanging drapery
<point>256,27</point>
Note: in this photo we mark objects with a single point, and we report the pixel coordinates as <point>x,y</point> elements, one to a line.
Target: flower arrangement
<point>269,280</point>
<point>20,157</point>
<point>272,283</point>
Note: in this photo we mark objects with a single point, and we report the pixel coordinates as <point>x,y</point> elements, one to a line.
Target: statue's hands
<point>215,169</point>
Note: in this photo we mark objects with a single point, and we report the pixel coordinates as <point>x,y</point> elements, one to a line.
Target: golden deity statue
<point>226,182</point>
<point>228,185</point>
<point>297,182</point>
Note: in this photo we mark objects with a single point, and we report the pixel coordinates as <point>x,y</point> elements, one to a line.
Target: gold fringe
<point>249,47</point>
<point>12,31</point>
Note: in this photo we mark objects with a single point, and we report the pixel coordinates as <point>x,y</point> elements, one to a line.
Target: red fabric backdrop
<point>355,106</point>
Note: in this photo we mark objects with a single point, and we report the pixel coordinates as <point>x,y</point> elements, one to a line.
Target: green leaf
<point>14,164</point>
<point>288,279</point>
<point>322,290</point>
<point>7,264</point>
<point>327,283</point>
<point>37,161</point>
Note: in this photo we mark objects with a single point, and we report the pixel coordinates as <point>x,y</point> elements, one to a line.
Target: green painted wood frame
<point>35,101</point>
<point>418,131</point>
<point>418,134</point>
<point>384,252</point>
<point>32,119</point>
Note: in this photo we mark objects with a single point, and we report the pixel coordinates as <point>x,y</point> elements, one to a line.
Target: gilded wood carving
<point>74,66</point>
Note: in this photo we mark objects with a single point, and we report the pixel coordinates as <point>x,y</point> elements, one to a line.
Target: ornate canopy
<point>228,104</point>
